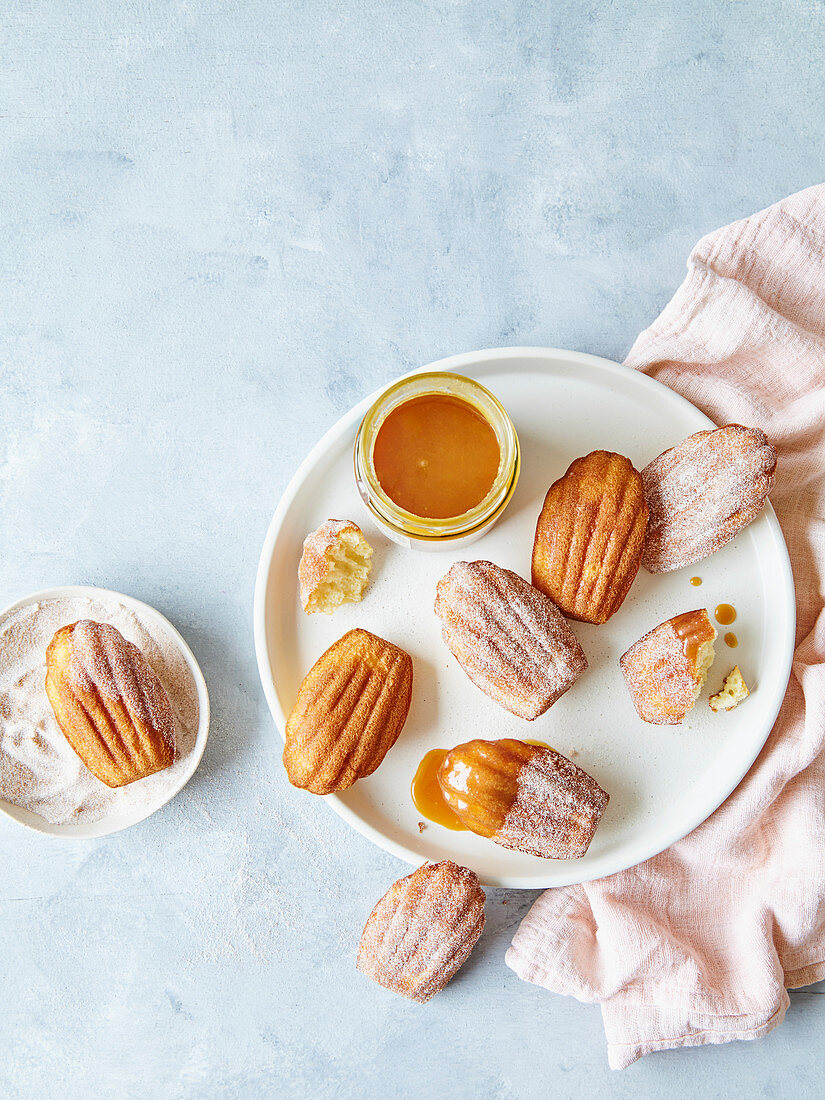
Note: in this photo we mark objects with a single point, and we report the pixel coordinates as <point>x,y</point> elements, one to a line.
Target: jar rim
<point>485,403</point>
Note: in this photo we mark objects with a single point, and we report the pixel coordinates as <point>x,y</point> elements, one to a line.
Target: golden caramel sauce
<point>541,744</point>
<point>436,456</point>
<point>693,631</point>
<point>480,780</point>
<point>696,581</point>
<point>725,614</point>
<point>731,640</point>
<point>426,793</point>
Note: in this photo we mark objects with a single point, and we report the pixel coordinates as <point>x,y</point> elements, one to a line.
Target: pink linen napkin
<point>699,944</point>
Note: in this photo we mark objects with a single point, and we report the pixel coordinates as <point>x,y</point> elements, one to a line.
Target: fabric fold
<point>699,944</point>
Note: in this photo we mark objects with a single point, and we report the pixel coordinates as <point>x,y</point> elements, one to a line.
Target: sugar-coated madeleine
<point>665,670</point>
<point>109,703</point>
<point>732,692</point>
<point>590,536</point>
<point>510,639</point>
<point>525,797</point>
<point>349,712</point>
<point>335,566</point>
<point>423,930</point>
<point>702,492</point>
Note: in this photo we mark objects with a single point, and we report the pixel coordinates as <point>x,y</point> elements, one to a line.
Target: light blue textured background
<point>222,224</point>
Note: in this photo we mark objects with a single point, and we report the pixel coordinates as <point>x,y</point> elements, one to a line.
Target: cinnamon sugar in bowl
<point>43,783</point>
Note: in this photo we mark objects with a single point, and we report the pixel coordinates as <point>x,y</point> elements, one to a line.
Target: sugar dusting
<point>702,492</point>
<point>665,670</point>
<point>100,659</point>
<point>510,639</point>
<point>556,809</point>
<point>423,930</point>
<point>39,771</point>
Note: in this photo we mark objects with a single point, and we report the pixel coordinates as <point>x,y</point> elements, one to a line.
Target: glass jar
<point>419,532</point>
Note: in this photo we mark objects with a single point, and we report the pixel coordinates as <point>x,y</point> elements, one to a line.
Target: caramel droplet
<point>731,640</point>
<point>725,614</point>
<point>426,793</point>
<point>696,581</point>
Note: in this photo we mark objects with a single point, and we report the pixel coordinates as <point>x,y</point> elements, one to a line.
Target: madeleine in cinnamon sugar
<point>109,703</point>
<point>510,639</point>
<point>665,670</point>
<point>422,931</point>
<point>703,492</point>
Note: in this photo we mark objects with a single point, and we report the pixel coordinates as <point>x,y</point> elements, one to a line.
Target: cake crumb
<point>421,826</point>
<point>732,692</point>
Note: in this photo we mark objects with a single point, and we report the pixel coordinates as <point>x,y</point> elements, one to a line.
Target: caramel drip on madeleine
<point>427,795</point>
<point>479,781</point>
<point>694,629</point>
<point>524,797</point>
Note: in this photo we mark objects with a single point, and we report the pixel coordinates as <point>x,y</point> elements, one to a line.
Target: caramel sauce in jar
<point>696,581</point>
<point>731,640</point>
<point>436,456</point>
<point>725,614</point>
<point>426,793</point>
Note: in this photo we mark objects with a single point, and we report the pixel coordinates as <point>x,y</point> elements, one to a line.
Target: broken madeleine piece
<point>701,492</point>
<point>335,566</point>
<point>109,703</point>
<point>510,639</point>
<point>349,712</point>
<point>665,670</point>
<point>733,691</point>
<point>590,536</point>
<point>423,930</point>
<point>522,796</point>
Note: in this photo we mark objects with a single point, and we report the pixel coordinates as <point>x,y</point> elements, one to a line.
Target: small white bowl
<point>114,824</point>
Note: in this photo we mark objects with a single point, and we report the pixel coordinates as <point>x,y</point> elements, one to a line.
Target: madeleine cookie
<point>702,492</point>
<point>349,712</point>
<point>590,536</point>
<point>423,930</point>
<point>335,566</point>
<point>666,668</point>
<point>109,703</point>
<point>510,639</point>
<point>521,796</point>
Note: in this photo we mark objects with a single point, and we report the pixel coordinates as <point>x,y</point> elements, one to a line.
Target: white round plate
<point>114,823</point>
<point>663,781</point>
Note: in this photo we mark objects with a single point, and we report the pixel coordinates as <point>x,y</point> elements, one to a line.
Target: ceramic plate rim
<point>464,362</point>
<point>99,828</point>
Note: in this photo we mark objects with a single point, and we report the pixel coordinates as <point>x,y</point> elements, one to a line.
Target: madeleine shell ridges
<point>423,930</point>
<point>479,781</point>
<point>349,712</point>
<point>529,798</point>
<point>590,536</point>
<point>109,703</point>
<point>509,638</point>
<point>703,491</point>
